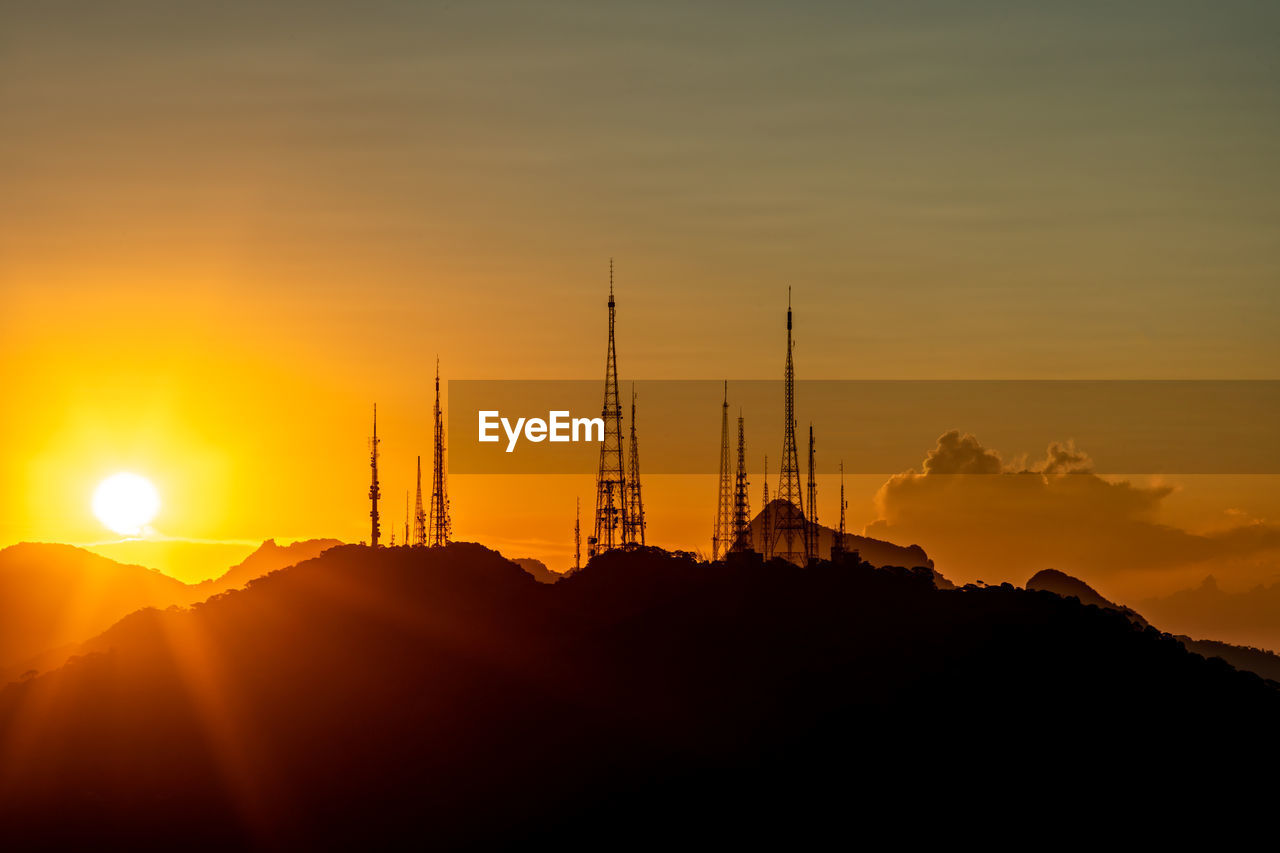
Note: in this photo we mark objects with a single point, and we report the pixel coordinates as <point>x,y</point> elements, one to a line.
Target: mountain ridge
<point>57,596</point>
<point>370,695</point>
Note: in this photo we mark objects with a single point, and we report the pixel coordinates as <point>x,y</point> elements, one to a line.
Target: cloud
<point>1065,458</point>
<point>980,518</point>
<point>961,454</point>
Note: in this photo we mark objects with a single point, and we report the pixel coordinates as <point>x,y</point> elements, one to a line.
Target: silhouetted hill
<point>1246,658</point>
<point>877,552</point>
<point>443,697</point>
<point>537,569</point>
<point>1065,585</point>
<point>1259,661</point>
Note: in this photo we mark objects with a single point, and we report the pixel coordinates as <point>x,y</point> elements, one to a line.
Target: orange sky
<point>224,234</point>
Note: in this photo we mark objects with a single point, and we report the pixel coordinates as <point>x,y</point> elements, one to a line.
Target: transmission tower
<point>837,547</point>
<point>811,541</point>
<point>440,528</point>
<point>577,534</point>
<point>419,514</point>
<point>765,530</point>
<point>406,516</point>
<point>722,535</point>
<point>374,491</point>
<point>633,518</point>
<point>790,534</point>
<point>741,500</point>
<point>611,508</point>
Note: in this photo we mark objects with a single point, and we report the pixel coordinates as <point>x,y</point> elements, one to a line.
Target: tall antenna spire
<point>611,509</point>
<point>633,518</point>
<point>419,514</point>
<point>374,491</point>
<point>766,530</point>
<point>790,534</point>
<point>741,500</point>
<point>811,540</point>
<point>722,535</point>
<point>577,533</point>
<point>837,547</point>
<point>406,516</point>
<point>440,527</point>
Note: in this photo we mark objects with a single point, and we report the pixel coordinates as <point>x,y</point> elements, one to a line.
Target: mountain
<point>53,597</point>
<point>443,697</point>
<point>1066,586</point>
<point>1248,616</point>
<point>537,569</point>
<point>1248,658</point>
<point>266,559</point>
<point>877,552</point>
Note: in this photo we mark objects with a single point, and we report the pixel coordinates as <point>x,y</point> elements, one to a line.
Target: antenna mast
<point>811,541</point>
<point>577,533</point>
<point>440,528</point>
<point>419,514</point>
<point>611,509</point>
<point>741,499</point>
<point>837,547</point>
<point>766,531</point>
<point>633,517</point>
<point>788,518</point>
<point>722,535</point>
<point>374,491</point>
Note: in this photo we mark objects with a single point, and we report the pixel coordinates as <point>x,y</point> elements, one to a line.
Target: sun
<point>126,503</point>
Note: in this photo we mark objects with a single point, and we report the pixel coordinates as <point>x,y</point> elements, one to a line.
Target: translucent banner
<point>873,427</point>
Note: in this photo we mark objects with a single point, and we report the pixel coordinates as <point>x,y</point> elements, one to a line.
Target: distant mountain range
<point>537,569</point>
<point>1251,615</point>
<point>55,596</point>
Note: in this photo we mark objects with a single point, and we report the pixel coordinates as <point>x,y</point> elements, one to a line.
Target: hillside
<point>443,696</point>
<point>537,569</point>
<point>267,558</point>
<point>1259,661</point>
<point>53,597</point>
<point>1066,586</point>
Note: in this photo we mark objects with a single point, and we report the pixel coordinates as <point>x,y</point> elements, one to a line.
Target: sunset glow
<point>496,425</point>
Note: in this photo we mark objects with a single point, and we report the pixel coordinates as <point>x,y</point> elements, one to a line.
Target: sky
<point>227,230</point>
